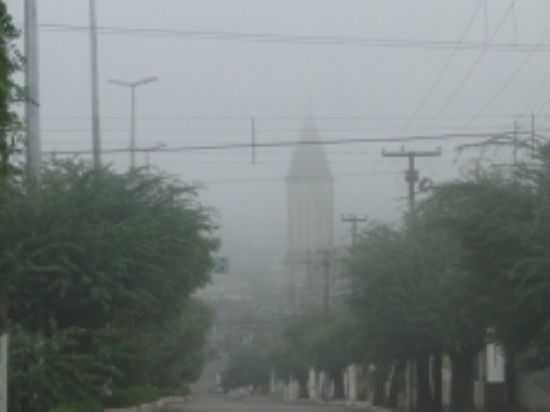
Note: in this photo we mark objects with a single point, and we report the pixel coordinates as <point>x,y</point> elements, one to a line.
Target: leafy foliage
<point>48,370</point>
<point>10,93</point>
<point>100,267</point>
<point>247,366</point>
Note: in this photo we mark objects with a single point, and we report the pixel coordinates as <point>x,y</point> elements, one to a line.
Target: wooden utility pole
<point>515,145</point>
<point>533,136</point>
<point>253,139</point>
<point>326,264</point>
<point>411,174</point>
<point>354,221</point>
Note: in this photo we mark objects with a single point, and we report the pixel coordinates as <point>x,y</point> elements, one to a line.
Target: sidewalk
<point>359,405</point>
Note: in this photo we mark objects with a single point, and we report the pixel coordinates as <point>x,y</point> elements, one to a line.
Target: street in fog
<point>215,405</point>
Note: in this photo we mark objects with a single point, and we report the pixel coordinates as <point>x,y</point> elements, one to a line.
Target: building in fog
<point>310,195</point>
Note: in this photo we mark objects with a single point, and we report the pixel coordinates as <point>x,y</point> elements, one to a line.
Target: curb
<point>151,407</point>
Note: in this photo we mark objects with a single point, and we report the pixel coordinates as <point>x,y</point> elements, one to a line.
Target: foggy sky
<point>209,89</point>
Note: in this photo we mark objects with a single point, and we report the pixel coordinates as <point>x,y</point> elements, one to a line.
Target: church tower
<point>310,196</point>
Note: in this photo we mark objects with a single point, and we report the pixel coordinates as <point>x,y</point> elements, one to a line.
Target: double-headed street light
<point>133,86</point>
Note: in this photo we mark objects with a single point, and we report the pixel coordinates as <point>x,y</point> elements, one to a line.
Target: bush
<point>247,366</point>
<point>89,406</point>
<point>134,395</point>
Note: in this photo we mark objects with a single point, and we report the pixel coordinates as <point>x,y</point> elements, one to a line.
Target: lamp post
<point>133,86</point>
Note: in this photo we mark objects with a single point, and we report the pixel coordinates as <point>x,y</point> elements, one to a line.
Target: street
<point>256,405</point>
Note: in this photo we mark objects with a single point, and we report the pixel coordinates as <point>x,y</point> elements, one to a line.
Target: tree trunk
<point>423,391</point>
<point>380,376</point>
<point>302,382</point>
<point>396,384</point>
<point>462,382</point>
<point>3,313</point>
<point>437,376</point>
<point>339,391</point>
<point>510,376</point>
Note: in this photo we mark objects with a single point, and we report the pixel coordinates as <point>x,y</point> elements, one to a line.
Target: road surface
<point>223,405</point>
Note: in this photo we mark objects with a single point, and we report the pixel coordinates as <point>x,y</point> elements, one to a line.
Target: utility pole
<point>515,15</point>
<point>133,86</point>
<point>4,351</point>
<point>515,145</point>
<point>325,263</point>
<point>533,136</point>
<point>411,174</point>
<point>32,91</point>
<point>96,121</point>
<point>486,22</point>
<point>33,157</point>
<point>354,221</point>
<point>253,138</point>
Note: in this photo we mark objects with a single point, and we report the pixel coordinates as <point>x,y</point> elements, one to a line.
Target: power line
<point>441,74</point>
<point>299,39</point>
<point>291,143</point>
<point>282,117</point>
<point>509,80</point>
<point>225,130</point>
<point>283,179</point>
<point>470,72</point>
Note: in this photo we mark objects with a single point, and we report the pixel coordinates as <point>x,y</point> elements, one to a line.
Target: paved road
<point>221,405</point>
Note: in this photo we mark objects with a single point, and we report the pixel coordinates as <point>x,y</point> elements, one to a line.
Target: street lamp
<point>133,86</point>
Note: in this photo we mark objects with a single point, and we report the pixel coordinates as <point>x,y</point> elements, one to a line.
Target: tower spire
<point>309,160</point>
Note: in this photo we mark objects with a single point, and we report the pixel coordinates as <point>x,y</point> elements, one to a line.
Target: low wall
<point>150,407</point>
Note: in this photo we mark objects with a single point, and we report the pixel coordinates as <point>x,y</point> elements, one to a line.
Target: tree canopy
<point>111,258</point>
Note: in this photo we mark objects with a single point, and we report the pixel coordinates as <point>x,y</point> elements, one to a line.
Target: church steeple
<point>309,160</point>
<point>310,215</point>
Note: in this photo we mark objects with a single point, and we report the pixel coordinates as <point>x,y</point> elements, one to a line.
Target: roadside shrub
<point>134,395</point>
<point>84,406</point>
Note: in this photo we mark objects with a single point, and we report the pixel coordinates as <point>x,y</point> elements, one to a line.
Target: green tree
<point>410,302</point>
<point>110,255</point>
<point>170,354</point>
<point>248,365</point>
<point>10,64</point>
<point>10,92</point>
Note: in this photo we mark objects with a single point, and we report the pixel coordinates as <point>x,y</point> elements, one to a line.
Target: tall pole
<point>96,121</point>
<point>253,138</point>
<point>32,91</point>
<point>533,136</point>
<point>515,145</point>
<point>133,129</point>
<point>485,21</point>
<point>411,174</point>
<point>33,157</point>
<point>354,221</point>
<point>326,281</point>
<point>4,351</point>
<point>133,86</point>
<point>412,179</point>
